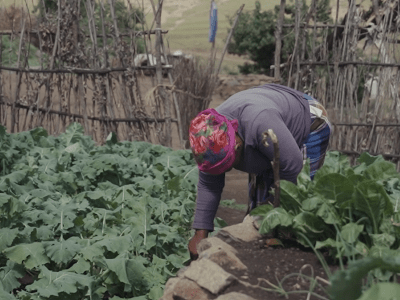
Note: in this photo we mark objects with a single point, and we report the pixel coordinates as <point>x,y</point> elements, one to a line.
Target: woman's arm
<point>209,190</point>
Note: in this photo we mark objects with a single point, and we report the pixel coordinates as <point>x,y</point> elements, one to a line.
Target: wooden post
<point>177,109</point>
<point>3,109</point>
<point>296,44</point>
<point>159,75</point>
<point>107,106</point>
<point>15,111</point>
<point>229,39</point>
<point>278,41</point>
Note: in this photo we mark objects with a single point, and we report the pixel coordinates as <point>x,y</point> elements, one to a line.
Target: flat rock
<point>223,258</point>
<point>255,220</point>
<point>234,296</point>
<point>244,231</point>
<point>209,275</point>
<point>214,242</point>
<point>184,289</point>
<point>169,289</point>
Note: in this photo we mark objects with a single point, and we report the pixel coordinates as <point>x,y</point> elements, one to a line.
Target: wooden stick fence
<point>351,67</point>
<point>88,74</point>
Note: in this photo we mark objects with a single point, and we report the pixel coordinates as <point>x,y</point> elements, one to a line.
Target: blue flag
<point>213,22</point>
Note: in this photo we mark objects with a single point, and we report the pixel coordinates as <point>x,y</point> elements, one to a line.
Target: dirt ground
<point>277,272</point>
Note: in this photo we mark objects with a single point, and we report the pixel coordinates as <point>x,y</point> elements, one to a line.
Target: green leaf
<point>336,163</point>
<point>368,159</point>
<point>304,179</point>
<point>117,244</point>
<point>111,139</point>
<point>328,213</point>
<point>309,222</point>
<point>44,233</point>
<point>291,197</point>
<point>382,291</point>
<point>174,184</point>
<point>37,133</point>
<point>156,292</point>
<point>129,271</point>
<point>382,251</point>
<point>383,240</point>
<point>142,219</point>
<point>351,231</point>
<point>312,203</point>
<point>7,236</point>
<point>32,254</point>
<point>56,283</point>
<point>347,284</point>
<point>74,148</point>
<point>92,251</point>
<point>355,179</point>
<point>381,170</point>
<point>62,252</point>
<point>261,210</point>
<point>80,267</point>
<point>372,199</point>
<point>276,217</point>
<point>190,179</point>
<point>328,243</point>
<point>72,135</point>
<point>9,276</point>
<point>335,188</point>
<point>5,295</point>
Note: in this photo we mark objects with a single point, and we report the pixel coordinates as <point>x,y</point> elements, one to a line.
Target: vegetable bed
<point>352,214</point>
<point>80,221</point>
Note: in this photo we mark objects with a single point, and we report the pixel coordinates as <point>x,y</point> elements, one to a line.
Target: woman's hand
<point>197,238</point>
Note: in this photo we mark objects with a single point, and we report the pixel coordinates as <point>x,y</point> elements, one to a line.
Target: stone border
<point>205,279</point>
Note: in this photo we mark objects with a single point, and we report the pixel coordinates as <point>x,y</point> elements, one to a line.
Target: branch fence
<point>92,73</point>
<point>352,67</point>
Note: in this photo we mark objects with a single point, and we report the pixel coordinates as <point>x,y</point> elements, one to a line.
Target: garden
<point>83,221</point>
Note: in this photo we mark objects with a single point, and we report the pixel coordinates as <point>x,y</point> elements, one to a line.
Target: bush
<point>254,35</point>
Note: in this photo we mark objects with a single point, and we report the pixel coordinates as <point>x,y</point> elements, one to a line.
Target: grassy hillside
<point>19,3</point>
<point>188,28</point>
<point>191,33</point>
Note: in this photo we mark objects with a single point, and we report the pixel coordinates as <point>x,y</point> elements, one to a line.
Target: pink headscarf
<point>212,139</point>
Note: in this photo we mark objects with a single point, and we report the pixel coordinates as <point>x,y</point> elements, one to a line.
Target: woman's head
<point>212,139</point>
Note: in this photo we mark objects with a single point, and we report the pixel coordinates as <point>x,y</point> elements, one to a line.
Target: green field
<point>192,32</point>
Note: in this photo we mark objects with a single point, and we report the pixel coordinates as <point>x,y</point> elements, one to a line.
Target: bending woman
<point>230,136</point>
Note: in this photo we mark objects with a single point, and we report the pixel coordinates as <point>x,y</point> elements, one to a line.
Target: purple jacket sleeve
<point>209,190</point>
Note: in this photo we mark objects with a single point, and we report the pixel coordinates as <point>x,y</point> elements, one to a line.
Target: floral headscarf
<point>212,139</point>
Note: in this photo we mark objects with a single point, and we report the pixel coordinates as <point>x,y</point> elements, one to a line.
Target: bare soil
<point>279,272</point>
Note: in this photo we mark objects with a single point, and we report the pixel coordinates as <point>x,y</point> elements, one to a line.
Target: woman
<point>231,137</point>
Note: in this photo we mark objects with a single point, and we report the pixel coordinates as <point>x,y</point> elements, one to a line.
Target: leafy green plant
<point>347,284</point>
<point>91,222</point>
<point>351,211</point>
